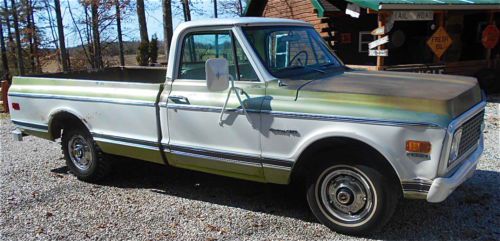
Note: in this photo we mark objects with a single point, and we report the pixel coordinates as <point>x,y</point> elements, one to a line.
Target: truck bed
<point>154,75</point>
<point>116,104</point>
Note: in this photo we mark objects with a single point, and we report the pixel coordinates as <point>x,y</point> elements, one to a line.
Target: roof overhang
<point>377,5</point>
<point>439,7</point>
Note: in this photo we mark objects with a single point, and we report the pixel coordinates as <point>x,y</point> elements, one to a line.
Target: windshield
<point>288,51</point>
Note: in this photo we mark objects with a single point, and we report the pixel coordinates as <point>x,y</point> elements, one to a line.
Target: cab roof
<point>241,21</point>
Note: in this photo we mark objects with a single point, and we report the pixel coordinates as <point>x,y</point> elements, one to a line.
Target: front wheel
<point>83,157</point>
<point>351,199</point>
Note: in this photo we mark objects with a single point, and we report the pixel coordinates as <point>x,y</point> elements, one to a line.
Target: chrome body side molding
<point>84,99</point>
<point>298,115</point>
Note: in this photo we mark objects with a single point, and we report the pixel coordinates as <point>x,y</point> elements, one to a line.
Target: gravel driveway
<point>40,200</point>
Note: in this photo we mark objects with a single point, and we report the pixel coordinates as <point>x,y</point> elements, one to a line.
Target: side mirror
<point>217,74</point>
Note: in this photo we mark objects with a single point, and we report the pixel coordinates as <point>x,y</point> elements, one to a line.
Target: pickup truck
<point>267,100</point>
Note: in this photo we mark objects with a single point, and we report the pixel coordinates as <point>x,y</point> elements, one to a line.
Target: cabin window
<point>199,47</point>
<point>365,37</point>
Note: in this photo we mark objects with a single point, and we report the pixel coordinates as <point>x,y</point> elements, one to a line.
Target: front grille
<point>471,132</point>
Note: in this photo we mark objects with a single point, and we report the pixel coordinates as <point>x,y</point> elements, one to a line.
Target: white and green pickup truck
<point>266,100</point>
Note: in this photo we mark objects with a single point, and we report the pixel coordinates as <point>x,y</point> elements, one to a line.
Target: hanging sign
<point>376,52</point>
<point>413,15</point>
<point>439,42</point>
<point>352,10</point>
<point>378,42</point>
<point>490,36</point>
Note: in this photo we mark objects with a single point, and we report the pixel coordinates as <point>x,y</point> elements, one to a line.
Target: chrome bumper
<point>442,187</point>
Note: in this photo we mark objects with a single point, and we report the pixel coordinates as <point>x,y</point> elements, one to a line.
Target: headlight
<point>455,144</point>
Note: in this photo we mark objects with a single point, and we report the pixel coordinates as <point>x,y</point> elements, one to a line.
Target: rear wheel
<point>83,156</point>
<point>351,198</point>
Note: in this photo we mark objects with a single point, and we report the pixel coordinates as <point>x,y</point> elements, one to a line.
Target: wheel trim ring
<point>332,217</point>
<point>84,152</point>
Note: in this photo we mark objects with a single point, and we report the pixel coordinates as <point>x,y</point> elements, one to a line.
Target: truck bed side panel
<point>120,115</point>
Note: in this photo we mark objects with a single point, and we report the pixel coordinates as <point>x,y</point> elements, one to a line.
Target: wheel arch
<point>302,165</point>
<point>63,118</point>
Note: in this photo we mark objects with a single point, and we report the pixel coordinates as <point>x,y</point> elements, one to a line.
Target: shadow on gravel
<point>279,200</point>
<point>469,213</point>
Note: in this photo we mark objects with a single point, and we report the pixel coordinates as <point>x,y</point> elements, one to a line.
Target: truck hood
<point>446,96</point>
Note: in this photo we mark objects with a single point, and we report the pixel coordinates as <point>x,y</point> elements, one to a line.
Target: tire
<point>351,198</point>
<point>83,157</point>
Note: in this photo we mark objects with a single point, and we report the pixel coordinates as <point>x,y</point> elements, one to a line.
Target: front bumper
<point>442,187</point>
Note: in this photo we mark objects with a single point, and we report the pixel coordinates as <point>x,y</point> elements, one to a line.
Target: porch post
<point>381,18</point>
<point>488,51</point>
<point>440,23</point>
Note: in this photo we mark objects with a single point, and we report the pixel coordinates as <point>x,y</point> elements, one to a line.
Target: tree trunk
<point>5,61</point>
<point>119,28</point>
<point>89,36</point>
<point>167,25</point>
<point>19,48</point>
<point>12,45</point>
<point>60,32</point>
<point>240,8</point>
<point>29,32</point>
<point>141,15</point>
<point>36,40</point>
<point>186,11</point>
<point>95,33</point>
<point>215,8</point>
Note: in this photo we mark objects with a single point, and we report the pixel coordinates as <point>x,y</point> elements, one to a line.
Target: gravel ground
<point>40,200</point>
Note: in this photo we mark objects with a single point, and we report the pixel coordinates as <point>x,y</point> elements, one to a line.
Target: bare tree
<point>60,31</point>
<point>141,15</point>
<point>232,7</point>
<point>34,35</point>
<point>215,8</point>
<point>19,47</point>
<point>94,7</point>
<point>167,25</point>
<point>88,55</point>
<point>119,29</point>
<point>12,44</point>
<point>29,30</point>
<point>186,10</point>
<point>5,61</point>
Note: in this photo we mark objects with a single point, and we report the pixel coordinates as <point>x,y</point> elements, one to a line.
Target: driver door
<point>197,140</point>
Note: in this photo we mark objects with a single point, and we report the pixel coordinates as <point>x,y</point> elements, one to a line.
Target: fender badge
<point>284,132</point>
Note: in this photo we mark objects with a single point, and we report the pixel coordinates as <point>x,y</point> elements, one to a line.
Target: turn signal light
<point>418,146</point>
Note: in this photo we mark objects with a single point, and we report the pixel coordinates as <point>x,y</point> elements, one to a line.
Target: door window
<point>199,47</point>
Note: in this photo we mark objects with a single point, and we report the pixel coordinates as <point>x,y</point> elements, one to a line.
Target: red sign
<point>490,36</point>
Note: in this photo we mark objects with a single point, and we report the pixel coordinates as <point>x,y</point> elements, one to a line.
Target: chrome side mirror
<point>217,74</point>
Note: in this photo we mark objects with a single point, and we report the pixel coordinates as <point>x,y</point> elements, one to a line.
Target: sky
<point>130,26</point>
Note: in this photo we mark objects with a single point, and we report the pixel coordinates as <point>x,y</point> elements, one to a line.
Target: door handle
<point>179,99</point>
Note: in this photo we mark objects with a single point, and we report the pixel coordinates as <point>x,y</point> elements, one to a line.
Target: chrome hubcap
<point>347,195</point>
<point>80,152</point>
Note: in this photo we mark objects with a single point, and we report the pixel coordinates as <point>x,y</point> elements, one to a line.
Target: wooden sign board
<point>379,31</point>
<point>439,42</point>
<point>413,15</point>
<point>376,52</point>
<point>378,42</point>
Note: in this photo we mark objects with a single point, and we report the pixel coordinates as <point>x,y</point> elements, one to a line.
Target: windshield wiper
<point>308,67</point>
<point>328,64</point>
